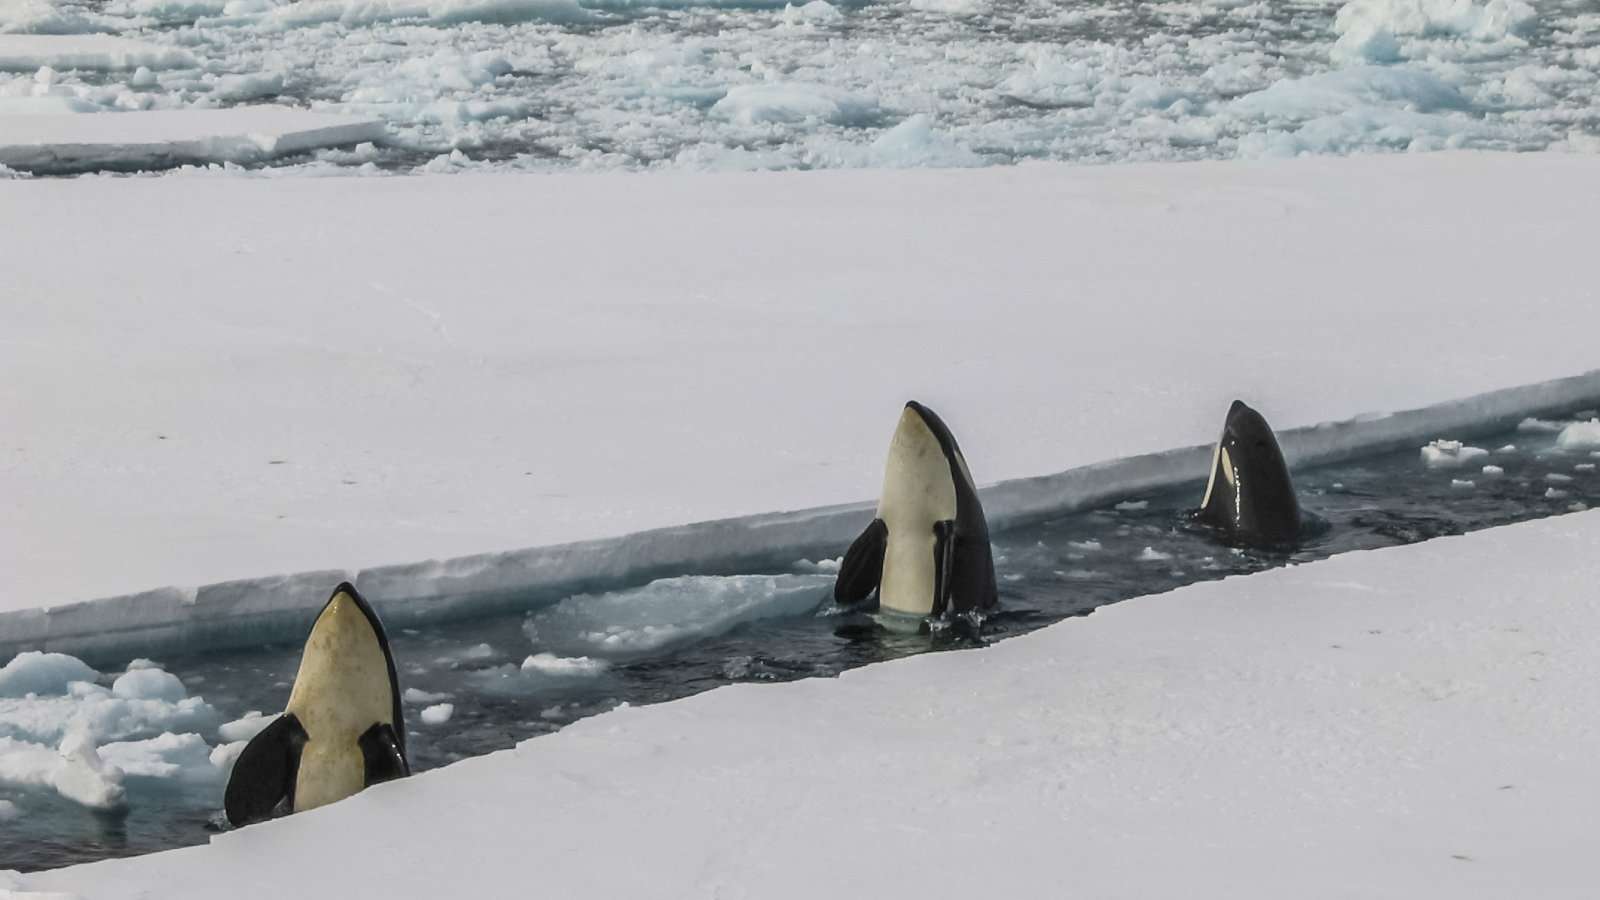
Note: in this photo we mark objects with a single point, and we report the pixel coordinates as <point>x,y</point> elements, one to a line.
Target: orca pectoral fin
<point>862,568</point>
<point>944,556</point>
<point>380,750</point>
<point>265,772</point>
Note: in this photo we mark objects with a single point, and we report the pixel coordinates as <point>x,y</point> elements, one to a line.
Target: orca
<point>926,552</point>
<point>342,730</point>
<point>1249,495</point>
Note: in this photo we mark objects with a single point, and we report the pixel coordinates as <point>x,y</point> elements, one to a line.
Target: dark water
<point>1049,572</point>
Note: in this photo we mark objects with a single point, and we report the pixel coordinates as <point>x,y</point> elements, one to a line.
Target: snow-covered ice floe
<point>453,410</point>
<point>161,138</point>
<point>1413,721</point>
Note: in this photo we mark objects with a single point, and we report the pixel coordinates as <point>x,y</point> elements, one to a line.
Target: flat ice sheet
<point>205,379</point>
<point>1414,722</point>
<point>27,52</point>
<point>169,137</point>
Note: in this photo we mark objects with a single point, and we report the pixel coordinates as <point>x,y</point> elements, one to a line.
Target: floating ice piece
<point>1553,494</point>
<point>1151,554</point>
<point>148,683</point>
<point>952,7</point>
<point>1449,454</point>
<point>1540,426</point>
<point>475,653</point>
<point>1509,448</point>
<point>255,86</point>
<point>75,771</point>
<point>669,611</point>
<point>1493,471</point>
<point>1580,436</point>
<point>353,13</point>
<point>438,714</point>
<point>223,756</point>
<point>164,138</point>
<point>1462,484</point>
<point>1081,574</point>
<point>51,17</point>
<point>1557,478</point>
<point>1086,546</point>
<point>245,728</point>
<point>8,811</point>
<point>817,12</point>
<point>789,102</point>
<point>1351,90</point>
<point>806,566</point>
<point>33,672</point>
<point>53,704</point>
<point>1132,505</point>
<point>550,664</point>
<point>1583,467</point>
<point>420,697</point>
<point>169,12</point>
<point>30,52</point>
<point>169,756</point>
<point>1369,29</point>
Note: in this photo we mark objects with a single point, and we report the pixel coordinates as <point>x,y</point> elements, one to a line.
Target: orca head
<point>1249,494</point>
<point>917,418</point>
<point>347,656</point>
<point>917,475</point>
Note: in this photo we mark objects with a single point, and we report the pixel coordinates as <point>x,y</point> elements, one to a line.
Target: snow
<point>1400,723</point>
<point>1580,436</point>
<point>1447,454</point>
<point>438,714</point>
<point>29,52</point>
<point>225,424</point>
<point>159,138</point>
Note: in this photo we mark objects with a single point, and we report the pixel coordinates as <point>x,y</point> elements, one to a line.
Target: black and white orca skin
<point>927,551</point>
<point>1249,496</point>
<point>342,730</point>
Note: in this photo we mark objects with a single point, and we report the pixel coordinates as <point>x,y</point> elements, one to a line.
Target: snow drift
<point>287,402</point>
<point>1401,723</point>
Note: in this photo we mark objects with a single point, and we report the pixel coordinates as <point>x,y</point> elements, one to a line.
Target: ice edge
<point>279,608</point>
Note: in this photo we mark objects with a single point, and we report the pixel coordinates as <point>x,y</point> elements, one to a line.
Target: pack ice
<point>65,729</point>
